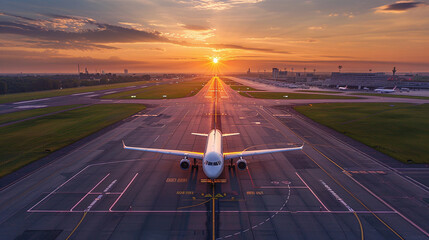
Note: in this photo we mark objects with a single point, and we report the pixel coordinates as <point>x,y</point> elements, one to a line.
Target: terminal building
<point>360,80</point>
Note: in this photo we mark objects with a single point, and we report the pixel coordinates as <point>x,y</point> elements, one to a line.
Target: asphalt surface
<point>330,190</point>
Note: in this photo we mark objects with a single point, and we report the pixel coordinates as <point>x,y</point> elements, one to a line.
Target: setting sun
<point>215,60</point>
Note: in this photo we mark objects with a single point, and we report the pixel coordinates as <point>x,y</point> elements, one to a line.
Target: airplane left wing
<point>258,152</point>
<point>167,151</point>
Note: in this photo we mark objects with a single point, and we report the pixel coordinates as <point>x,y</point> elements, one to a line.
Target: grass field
<point>17,97</point>
<point>174,90</point>
<point>280,95</point>
<point>243,88</point>
<point>238,86</point>
<point>228,81</point>
<point>390,95</point>
<point>15,116</point>
<point>316,91</point>
<point>28,141</point>
<point>396,129</point>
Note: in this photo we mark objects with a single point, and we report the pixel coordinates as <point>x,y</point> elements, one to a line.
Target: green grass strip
<point>28,141</point>
<point>315,91</point>
<point>390,95</point>
<point>243,88</point>
<point>15,116</point>
<point>17,97</point>
<point>399,130</point>
<point>173,90</point>
<point>281,95</point>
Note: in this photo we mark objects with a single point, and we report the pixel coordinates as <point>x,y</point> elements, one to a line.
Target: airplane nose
<point>212,172</point>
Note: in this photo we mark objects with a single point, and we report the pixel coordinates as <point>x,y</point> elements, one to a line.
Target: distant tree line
<point>17,84</point>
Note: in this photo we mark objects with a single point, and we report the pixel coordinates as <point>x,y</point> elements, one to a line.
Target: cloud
<point>234,46</point>
<point>195,27</point>
<point>316,28</point>
<point>71,32</point>
<point>217,4</point>
<point>399,7</point>
<point>74,32</point>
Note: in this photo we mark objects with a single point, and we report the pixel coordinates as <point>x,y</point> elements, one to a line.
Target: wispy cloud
<point>195,27</point>
<point>74,32</point>
<point>234,46</point>
<point>70,32</point>
<point>399,7</point>
<point>316,28</point>
<point>217,4</point>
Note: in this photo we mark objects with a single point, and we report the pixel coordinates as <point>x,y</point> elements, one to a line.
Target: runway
<point>329,190</point>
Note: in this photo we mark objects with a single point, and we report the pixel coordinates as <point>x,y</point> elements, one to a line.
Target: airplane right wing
<point>230,134</point>
<point>258,152</point>
<point>167,151</point>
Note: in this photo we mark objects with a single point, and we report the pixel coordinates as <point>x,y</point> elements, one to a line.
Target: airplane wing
<point>230,134</point>
<point>258,152</point>
<point>167,151</point>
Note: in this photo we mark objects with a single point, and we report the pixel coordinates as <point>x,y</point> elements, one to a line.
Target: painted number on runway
<point>174,180</point>
<point>255,192</point>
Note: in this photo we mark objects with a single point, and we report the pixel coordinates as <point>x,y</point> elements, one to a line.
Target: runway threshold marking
<point>348,191</point>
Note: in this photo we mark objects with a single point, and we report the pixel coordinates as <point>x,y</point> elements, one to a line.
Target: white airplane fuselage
<point>384,90</point>
<point>213,160</point>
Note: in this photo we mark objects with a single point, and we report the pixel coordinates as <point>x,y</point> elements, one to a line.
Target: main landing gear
<point>195,165</point>
<point>231,164</point>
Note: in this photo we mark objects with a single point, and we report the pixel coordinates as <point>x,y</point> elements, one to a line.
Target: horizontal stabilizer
<point>200,134</point>
<point>230,134</point>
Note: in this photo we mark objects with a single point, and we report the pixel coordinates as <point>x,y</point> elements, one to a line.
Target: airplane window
<point>215,163</point>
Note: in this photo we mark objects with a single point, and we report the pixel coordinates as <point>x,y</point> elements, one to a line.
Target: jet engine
<point>185,163</point>
<point>241,164</point>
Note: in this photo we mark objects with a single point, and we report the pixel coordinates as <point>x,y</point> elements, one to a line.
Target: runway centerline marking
<point>339,199</point>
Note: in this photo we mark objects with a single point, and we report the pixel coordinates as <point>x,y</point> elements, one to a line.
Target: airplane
<point>213,157</point>
<point>343,88</point>
<point>382,90</point>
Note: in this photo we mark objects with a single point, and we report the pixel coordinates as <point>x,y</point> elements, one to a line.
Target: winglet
<point>123,144</point>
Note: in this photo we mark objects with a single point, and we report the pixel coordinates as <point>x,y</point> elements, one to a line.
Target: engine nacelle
<point>241,164</point>
<point>185,163</point>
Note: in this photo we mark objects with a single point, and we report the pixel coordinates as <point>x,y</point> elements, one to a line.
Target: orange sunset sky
<point>183,36</point>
